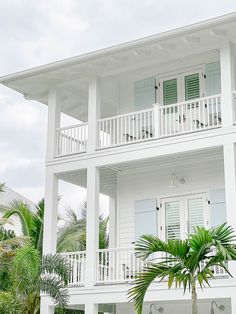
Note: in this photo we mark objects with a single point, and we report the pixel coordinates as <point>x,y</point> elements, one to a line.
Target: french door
<point>181,214</point>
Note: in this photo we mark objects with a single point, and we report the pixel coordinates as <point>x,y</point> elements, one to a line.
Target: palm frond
<point>149,244</point>
<point>57,265</point>
<point>23,211</point>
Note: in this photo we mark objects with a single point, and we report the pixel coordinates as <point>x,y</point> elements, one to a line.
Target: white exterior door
<point>179,215</point>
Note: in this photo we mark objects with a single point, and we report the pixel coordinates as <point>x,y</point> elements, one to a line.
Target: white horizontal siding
<point>153,183</point>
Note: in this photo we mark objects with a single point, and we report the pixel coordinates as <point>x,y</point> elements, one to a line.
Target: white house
<point>156,133</point>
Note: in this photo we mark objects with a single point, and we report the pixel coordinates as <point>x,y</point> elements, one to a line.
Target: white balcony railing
<point>185,117</point>
<point>190,116</point>
<point>120,265</point>
<point>115,265</point>
<point>76,261</point>
<point>157,122</point>
<point>126,128</point>
<point>72,139</point>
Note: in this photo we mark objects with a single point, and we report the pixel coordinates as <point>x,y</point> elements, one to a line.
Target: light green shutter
<point>172,211</point>
<point>213,83</point>
<point>170,92</point>
<point>217,207</point>
<point>145,217</point>
<point>192,87</point>
<point>144,93</point>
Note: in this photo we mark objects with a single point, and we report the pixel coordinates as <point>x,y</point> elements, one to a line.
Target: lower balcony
<point>158,122</point>
<point>114,266</point>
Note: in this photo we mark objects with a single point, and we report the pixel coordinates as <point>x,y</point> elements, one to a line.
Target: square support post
<point>92,224</point>
<point>94,104</point>
<point>230,190</point>
<point>157,120</point>
<point>50,214</point>
<point>227,83</point>
<point>91,308</point>
<point>54,114</point>
<point>112,220</point>
<point>45,308</point>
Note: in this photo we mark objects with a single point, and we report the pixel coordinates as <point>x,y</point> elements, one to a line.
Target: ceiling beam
<point>162,46</point>
<point>191,39</point>
<point>218,32</point>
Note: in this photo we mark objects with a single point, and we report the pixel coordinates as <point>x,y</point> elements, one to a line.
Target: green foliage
<point>5,267</point>
<point>72,235</point>
<point>182,261</point>
<point>31,222</point>
<point>29,275</point>
<point>9,304</point>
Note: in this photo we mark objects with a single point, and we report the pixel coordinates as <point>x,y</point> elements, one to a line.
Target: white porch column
<point>112,220</point>
<point>53,123</point>
<point>45,308</point>
<point>233,305</point>
<point>50,214</point>
<point>157,120</point>
<point>92,225</point>
<point>94,103</point>
<point>227,83</point>
<point>91,308</point>
<point>230,189</point>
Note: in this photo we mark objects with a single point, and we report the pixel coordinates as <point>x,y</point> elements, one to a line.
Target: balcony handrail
<point>72,126</point>
<point>129,248</point>
<point>126,114</point>
<point>72,253</point>
<point>188,101</point>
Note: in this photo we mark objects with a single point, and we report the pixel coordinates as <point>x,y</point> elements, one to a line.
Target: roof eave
<point>119,48</point>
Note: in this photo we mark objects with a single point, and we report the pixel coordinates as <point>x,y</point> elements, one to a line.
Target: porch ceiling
<point>174,160</point>
<point>108,179</point>
<point>108,174</point>
<point>71,75</point>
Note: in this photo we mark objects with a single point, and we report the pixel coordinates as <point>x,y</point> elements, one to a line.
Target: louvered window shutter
<point>192,87</point>
<point>195,213</point>
<point>217,207</point>
<point>172,210</point>
<point>144,93</point>
<point>145,218</point>
<point>213,83</point>
<point>170,92</point>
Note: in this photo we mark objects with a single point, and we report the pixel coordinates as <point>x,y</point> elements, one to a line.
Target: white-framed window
<point>180,214</point>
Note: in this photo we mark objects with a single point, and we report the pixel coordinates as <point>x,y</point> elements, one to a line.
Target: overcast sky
<point>33,33</point>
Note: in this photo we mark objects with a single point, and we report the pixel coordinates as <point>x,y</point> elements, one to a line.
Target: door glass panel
<point>172,210</point>
<point>195,213</point>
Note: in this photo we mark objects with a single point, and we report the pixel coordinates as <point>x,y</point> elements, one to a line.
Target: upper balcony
<point>173,83</point>
<point>157,122</point>
<point>183,96</point>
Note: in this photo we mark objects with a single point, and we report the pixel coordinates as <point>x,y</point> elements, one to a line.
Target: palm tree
<point>31,222</point>
<point>72,235</point>
<point>31,274</point>
<point>183,261</point>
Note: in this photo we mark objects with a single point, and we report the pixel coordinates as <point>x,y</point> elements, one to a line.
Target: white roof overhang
<point>34,83</point>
